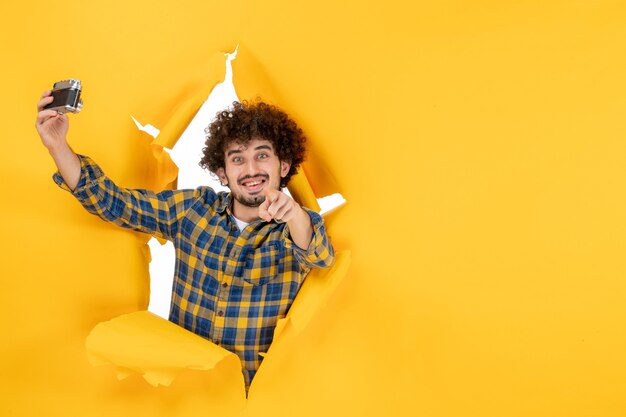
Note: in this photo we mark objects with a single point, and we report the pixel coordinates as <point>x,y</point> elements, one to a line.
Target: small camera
<point>66,95</point>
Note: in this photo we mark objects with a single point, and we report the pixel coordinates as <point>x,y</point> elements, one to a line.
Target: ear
<point>222,176</point>
<point>284,168</point>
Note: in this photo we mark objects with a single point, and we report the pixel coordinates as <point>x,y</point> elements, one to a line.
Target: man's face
<point>251,169</point>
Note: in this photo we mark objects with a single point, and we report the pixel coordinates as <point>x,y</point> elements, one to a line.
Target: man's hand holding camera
<point>52,124</point>
<point>52,127</point>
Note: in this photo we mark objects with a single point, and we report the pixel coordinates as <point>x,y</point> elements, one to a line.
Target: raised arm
<point>158,214</point>
<point>52,128</point>
<point>143,210</point>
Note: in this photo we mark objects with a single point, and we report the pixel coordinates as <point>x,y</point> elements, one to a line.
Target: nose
<point>251,167</point>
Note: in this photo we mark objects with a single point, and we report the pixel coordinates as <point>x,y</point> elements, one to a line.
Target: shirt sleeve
<point>320,253</point>
<point>145,211</point>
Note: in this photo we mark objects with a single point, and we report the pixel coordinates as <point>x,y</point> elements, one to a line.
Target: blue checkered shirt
<point>230,286</point>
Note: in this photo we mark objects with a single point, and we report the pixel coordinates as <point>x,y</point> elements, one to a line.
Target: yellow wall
<point>479,146</point>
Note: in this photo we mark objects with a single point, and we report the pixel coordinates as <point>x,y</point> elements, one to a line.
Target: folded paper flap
<point>301,191</point>
<point>167,171</point>
<point>146,343</point>
<point>280,326</point>
<point>156,378</point>
<point>158,349</point>
<point>317,288</point>
<point>180,118</point>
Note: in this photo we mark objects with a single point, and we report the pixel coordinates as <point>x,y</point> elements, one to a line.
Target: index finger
<point>43,102</point>
<point>271,194</point>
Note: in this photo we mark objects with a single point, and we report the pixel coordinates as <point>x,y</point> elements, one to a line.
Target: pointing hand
<point>278,206</point>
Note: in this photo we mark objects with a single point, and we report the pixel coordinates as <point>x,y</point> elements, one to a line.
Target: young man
<point>241,256</point>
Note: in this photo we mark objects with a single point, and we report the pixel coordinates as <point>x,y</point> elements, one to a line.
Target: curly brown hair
<point>245,121</point>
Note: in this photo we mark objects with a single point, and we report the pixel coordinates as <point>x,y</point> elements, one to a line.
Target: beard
<point>254,201</point>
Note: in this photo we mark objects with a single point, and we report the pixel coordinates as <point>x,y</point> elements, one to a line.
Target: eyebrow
<point>234,151</point>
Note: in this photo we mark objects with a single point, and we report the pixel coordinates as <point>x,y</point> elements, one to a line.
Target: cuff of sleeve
<point>317,222</point>
<point>89,173</point>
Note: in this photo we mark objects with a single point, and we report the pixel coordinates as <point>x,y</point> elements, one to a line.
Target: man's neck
<point>245,213</point>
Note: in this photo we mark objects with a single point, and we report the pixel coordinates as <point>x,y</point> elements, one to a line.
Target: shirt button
<point>220,313</point>
<point>225,284</point>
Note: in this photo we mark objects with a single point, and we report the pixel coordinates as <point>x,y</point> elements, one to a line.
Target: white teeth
<point>252,183</point>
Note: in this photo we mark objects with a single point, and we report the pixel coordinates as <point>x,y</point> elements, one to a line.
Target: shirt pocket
<point>263,264</point>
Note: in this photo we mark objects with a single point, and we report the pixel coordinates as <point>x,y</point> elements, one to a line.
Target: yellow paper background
<point>480,146</point>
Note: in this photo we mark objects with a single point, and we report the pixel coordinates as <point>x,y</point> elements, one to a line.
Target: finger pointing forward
<point>264,206</point>
<point>271,195</point>
<point>276,200</point>
<point>271,204</point>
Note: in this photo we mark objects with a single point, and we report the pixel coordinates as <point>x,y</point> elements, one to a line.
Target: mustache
<point>249,177</point>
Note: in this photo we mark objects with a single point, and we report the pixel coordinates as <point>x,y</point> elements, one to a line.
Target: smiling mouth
<point>253,185</point>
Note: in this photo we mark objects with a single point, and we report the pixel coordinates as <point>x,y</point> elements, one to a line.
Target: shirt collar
<point>225,203</point>
<point>225,206</point>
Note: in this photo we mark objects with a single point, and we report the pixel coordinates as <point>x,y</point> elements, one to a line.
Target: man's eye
<point>237,159</point>
<point>263,156</point>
